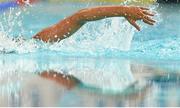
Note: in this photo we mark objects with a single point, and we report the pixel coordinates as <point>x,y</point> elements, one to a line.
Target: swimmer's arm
<point>70,25</point>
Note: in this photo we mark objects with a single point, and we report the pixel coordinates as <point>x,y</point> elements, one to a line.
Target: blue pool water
<point>113,64</point>
<point>110,37</point>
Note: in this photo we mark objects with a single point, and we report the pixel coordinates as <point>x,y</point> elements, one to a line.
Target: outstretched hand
<point>139,13</point>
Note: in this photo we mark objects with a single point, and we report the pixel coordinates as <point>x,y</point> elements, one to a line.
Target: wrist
<point>120,11</point>
<point>125,11</point>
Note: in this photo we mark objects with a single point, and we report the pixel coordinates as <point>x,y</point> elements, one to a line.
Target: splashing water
<point>84,40</point>
<point>117,33</point>
<point>109,37</point>
<point>111,33</point>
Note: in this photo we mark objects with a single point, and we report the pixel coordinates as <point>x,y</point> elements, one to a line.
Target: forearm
<point>70,25</point>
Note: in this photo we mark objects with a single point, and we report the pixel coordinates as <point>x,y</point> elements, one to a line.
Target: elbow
<point>81,16</point>
<point>77,19</point>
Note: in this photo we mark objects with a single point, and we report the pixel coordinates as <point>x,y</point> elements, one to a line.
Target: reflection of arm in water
<point>65,80</point>
<point>70,82</point>
<point>70,25</point>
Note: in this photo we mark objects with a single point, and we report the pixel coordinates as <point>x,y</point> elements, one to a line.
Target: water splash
<point>117,33</point>
<point>113,33</point>
<point>108,37</point>
<point>12,21</point>
<point>16,45</point>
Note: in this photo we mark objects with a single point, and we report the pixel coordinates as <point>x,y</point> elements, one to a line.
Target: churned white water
<point>111,33</point>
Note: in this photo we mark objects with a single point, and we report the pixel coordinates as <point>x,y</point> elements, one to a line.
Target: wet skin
<point>73,23</point>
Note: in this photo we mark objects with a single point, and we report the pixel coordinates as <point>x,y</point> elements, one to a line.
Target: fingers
<point>143,8</point>
<point>148,22</point>
<point>149,19</point>
<point>133,22</point>
<point>136,26</point>
<point>148,13</point>
<point>146,17</point>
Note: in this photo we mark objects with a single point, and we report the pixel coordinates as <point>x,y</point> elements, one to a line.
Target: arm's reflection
<point>68,81</point>
<point>58,83</point>
<point>92,98</point>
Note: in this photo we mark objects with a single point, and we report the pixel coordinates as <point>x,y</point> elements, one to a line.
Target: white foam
<point>20,45</point>
<point>105,74</point>
<point>111,33</point>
